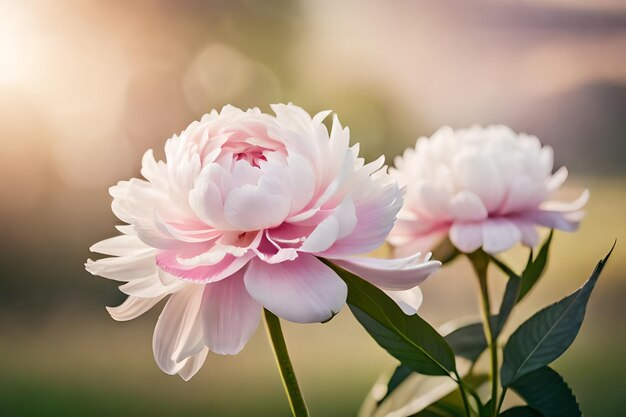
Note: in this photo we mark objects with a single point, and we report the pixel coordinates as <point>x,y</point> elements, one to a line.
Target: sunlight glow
<point>17,55</point>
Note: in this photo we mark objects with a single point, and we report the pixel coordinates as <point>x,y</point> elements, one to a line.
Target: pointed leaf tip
<point>549,333</point>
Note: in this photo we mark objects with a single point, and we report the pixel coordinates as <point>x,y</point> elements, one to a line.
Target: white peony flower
<point>482,187</point>
<point>235,219</point>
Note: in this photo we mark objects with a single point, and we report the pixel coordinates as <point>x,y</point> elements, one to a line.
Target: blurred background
<point>87,86</point>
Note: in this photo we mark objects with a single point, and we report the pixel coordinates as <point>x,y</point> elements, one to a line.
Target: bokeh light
<point>87,86</point>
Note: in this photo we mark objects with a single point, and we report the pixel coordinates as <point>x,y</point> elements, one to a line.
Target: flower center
<point>252,156</point>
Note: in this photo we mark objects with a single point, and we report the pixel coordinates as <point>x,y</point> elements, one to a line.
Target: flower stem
<point>463,394</point>
<point>287,374</point>
<point>480,262</point>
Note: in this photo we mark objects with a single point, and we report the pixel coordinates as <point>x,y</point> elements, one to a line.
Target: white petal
<point>499,234</point>
<point>206,200</point>
<point>168,261</point>
<point>528,231</point>
<point>432,200</point>
<point>323,237</point>
<point>467,237</point>
<point>577,204</point>
<point>422,243</point>
<point>467,206</point>
<point>179,326</point>
<point>133,307</point>
<point>230,316</point>
<point>377,202</point>
<point>121,246</point>
<point>522,193</point>
<point>408,300</point>
<point>302,181</point>
<point>256,207</point>
<point>567,222</point>
<point>557,179</point>
<point>346,217</point>
<point>303,290</point>
<point>150,287</point>
<point>124,268</point>
<point>193,364</point>
<point>477,173</point>
<point>391,274</point>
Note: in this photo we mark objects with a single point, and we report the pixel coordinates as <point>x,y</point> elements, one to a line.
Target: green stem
<point>463,394</point>
<point>287,374</point>
<point>480,262</point>
<point>501,399</point>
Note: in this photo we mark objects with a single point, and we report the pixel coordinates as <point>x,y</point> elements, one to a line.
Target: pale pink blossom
<point>481,187</point>
<point>235,219</point>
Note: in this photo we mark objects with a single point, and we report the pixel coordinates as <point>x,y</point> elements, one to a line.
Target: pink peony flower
<point>235,219</point>
<point>482,187</point>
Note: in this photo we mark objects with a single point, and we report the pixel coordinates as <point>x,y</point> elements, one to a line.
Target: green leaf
<point>417,349</point>
<point>546,335</point>
<point>545,391</point>
<point>484,410</point>
<point>535,269</point>
<point>518,286</point>
<point>400,374</point>
<point>468,341</point>
<point>410,339</point>
<point>509,299</point>
<point>416,393</point>
<point>452,403</point>
<point>441,408</point>
<point>524,411</point>
<point>431,413</point>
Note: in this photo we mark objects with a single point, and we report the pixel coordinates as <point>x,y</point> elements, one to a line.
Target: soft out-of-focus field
<point>86,87</point>
<point>78,362</point>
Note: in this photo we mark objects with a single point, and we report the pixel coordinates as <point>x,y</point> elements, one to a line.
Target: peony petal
<point>137,202</point>
<point>150,287</point>
<point>193,364</point>
<point>124,245</point>
<point>557,179</point>
<point>303,290</point>
<point>256,207</point>
<point>391,274</point>
<point>230,316</point>
<point>522,193</point>
<point>302,181</point>
<point>323,236</point>
<point>178,327</point>
<point>206,198</point>
<point>421,243</point>
<point>575,205</point>
<point>467,237</point>
<point>168,261</point>
<point>377,202</point>
<point>409,300</point>
<point>499,234</point>
<point>124,268</point>
<point>432,200</point>
<point>528,231</point>
<point>467,206</point>
<point>133,307</point>
<point>567,222</point>
<point>188,231</point>
<point>476,172</point>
